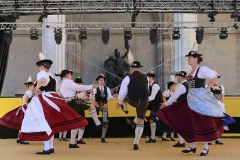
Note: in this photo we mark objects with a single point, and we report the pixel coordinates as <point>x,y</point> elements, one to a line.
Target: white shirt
<point>124,89</point>
<point>29,94</point>
<point>69,87</point>
<point>101,88</point>
<point>167,93</point>
<point>204,73</point>
<point>155,89</point>
<point>180,90</point>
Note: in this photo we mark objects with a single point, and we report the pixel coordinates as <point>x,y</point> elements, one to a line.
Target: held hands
<point>162,106</point>
<point>118,106</point>
<point>94,85</point>
<point>96,104</point>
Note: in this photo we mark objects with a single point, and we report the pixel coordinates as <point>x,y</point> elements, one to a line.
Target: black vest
<point>51,86</point>
<point>217,93</point>
<point>99,98</point>
<point>196,82</point>
<point>158,98</point>
<point>183,96</point>
<point>138,86</point>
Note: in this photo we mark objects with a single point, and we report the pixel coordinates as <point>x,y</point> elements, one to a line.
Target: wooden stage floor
<point>117,149</point>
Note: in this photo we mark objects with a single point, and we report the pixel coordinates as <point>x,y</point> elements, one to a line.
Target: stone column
<point>49,47</point>
<point>185,43</point>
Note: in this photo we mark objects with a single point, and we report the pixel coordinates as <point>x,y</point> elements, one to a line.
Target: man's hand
<point>91,91</point>
<point>94,85</point>
<point>162,106</point>
<point>118,106</point>
<point>96,104</point>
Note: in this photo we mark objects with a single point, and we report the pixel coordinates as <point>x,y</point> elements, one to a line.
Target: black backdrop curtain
<point>4,53</point>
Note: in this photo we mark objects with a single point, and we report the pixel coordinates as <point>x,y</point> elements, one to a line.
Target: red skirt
<point>192,126</point>
<point>11,120</point>
<point>65,120</point>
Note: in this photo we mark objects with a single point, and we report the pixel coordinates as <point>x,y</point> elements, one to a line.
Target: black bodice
<point>195,82</point>
<point>51,86</point>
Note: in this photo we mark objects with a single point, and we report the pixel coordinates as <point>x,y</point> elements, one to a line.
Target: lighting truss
<point>36,7</point>
<point>118,25</point>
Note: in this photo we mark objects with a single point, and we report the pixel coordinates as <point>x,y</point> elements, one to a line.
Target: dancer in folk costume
<point>199,117</point>
<point>62,136</point>
<point>14,118</point>
<point>135,87</point>
<point>162,126</point>
<point>68,90</point>
<point>48,113</point>
<point>102,94</point>
<point>179,95</point>
<point>155,100</point>
<point>218,93</point>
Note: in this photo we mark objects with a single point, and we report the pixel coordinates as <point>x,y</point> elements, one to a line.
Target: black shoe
<point>132,123</point>
<point>60,139</point>
<point>102,124</point>
<point>64,139</point>
<point>126,112</point>
<point>164,139</point>
<point>209,143</point>
<point>18,141</point>
<point>172,139</point>
<point>81,142</point>
<point>204,154</point>
<point>103,140</point>
<point>135,147</point>
<point>24,142</point>
<point>219,142</point>
<point>73,146</point>
<point>179,145</point>
<point>51,150</point>
<point>191,150</point>
<point>151,140</point>
<point>44,152</point>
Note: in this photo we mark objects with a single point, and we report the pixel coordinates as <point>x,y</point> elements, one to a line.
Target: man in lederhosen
<point>155,99</point>
<point>101,95</point>
<point>135,87</point>
<point>179,94</point>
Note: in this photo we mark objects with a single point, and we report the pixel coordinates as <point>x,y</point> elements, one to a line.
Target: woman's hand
<point>162,106</point>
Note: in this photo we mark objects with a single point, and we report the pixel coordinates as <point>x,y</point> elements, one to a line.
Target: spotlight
<point>83,34</point>
<point>105,36</point>
<point>153,35</point>
<point>234,14</point>
<point>199,35</point>
<point>34,34</point>
<point>58,35</point>
<point>223,33</point>
<point>8,36</point>
<point>211,15</point>
<point>176,34</point>
<point>127,34</point>
<point>44,15</point>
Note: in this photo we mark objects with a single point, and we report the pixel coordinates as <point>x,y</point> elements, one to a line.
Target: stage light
<point>33,34</point>
<point>176,34</point>
<point>83,34</point>
<point>8,36</point>
<point>211,15</point>
<point>127,34</point>
<point>58,35</point>
<point>42,16</point>
<point>199,35</point>
<point>223,33</point>
<point>153,35</point>
<point>105,36</point>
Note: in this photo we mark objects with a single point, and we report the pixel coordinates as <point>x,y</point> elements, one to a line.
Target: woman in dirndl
<point>14,118</point>
<point>199,117</point>
<point>47,113</point>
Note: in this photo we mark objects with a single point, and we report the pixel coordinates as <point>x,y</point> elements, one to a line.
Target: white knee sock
<point>73,136</point>
<point>164,135</point>
<point>64,134</point>
<point>138,133</point>
<point>180,139</point>
<point>192,145</point>
<point>105,113</point>
<point>172,134</point>
<point>80,132</point>
<point>51,142</point>
<point>104,131</point>
<point>93,113</point>
<point>218,139</point>
<point>46,145</point>
<point>205,146</point>
<point>60,134</point>
<point>153,130</point>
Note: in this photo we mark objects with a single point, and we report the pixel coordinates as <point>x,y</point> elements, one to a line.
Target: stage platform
<point>117,149</point>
